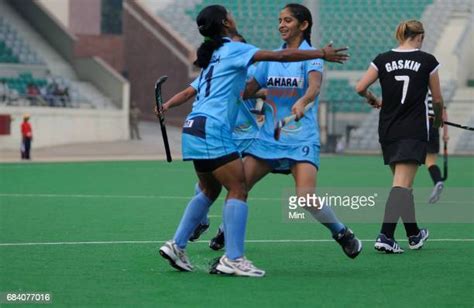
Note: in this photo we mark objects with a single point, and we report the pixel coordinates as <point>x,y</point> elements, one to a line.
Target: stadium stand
<point>465,144</point>
<point>41,74</point>
<point>366,26</point>
<point>13,49</point>
<point>260,31</point>
<point>61,89</point>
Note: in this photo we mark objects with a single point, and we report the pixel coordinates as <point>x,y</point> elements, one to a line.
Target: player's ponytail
<point>408,29</point>
<point>301,13</point>
<point>210,22</point>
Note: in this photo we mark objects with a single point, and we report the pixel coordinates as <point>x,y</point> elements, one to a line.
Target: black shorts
<point>406,150</point>
<point>209,165</point>
<point>433,143</point>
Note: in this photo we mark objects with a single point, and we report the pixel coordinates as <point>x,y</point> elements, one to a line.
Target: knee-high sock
<point>408,215</point>
<point>396,199</point>
<point>328,218</point>
<point>435,174</point>
<point>235,222</point>
<point>197,208</point>
<point>197,191</point>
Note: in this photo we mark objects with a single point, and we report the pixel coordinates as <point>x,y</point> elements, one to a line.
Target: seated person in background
<point>3,92</point>
<point>32,94</point>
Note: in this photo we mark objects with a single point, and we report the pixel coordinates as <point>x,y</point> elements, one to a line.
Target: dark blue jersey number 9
<point>305,150</point>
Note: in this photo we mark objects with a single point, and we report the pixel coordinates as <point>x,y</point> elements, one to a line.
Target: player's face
<point>289,26</point>
<point>230,24</point>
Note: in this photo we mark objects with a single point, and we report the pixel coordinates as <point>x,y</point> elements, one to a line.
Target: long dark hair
<point>210,22</point>
<point>301,13</point>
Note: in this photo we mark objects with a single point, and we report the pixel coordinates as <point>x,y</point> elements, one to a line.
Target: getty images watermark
<point>299,206</point>
<point>367,204</point>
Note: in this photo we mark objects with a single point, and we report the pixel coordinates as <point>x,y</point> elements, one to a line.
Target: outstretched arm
<point>179,99</point>
<point>327,53</point>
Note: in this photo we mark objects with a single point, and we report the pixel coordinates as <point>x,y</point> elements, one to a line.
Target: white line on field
<point>206,242</point>
<point>16,195</point>
<point>40,195</point>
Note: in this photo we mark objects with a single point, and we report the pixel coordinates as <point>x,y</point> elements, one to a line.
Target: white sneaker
<point>238,267</point>
<point>176,256</point>
<point>436,193</point>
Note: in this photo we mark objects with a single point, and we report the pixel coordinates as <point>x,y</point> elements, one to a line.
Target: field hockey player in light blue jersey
<point>291,87</point>
<point>248,122</point>
<point>207,136</point>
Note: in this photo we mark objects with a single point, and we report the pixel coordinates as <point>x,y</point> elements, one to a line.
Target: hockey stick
<point>161,116</point>
<point>445,161</point>
<point>459,125</point>
<point>282,123</point>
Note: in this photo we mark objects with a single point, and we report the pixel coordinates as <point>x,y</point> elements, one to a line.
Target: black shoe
<point>387,245</point>
<point>218,241</point>
<point>350,244</point>
<point>417,241</point>
<point>200,229</point>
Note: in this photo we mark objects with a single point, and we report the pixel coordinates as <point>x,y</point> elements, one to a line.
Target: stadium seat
<point>13,49</point>
<point>369,38</point>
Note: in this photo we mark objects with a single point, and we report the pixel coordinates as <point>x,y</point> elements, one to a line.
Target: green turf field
<point>101,224</point>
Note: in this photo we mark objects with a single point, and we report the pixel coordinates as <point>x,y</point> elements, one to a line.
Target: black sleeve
<point>377,62</point>
<point>433,64</point>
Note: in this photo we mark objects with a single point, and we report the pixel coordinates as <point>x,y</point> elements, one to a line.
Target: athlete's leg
<point>435,174</point>
<point>398,199</point>
<point>400,202</point>
<point>404,175</point>
<point>305,175</point>
<point>197,191</point>
<point>232,177</point>
<point>305,181</point>
<point>199,205</point>
<point>197,208</point>
<point>255,169</point>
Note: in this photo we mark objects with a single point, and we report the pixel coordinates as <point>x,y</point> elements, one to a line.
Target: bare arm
<point>314,86</point>
<point>328,53</point>
<point>438,104</point>
<point>363,85</point>
<point>445,127</point>
<point>251,89</point>
<point>180,98</point>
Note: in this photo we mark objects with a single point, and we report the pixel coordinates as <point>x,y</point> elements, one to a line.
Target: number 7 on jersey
<point>406,81</point>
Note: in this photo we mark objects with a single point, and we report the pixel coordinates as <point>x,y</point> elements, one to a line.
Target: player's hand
<point>262,93</point>
<point>164,109</point>
<point>437,122</point>
<point>298,110</point>
<point>373,101</point>
<point>332,54</point>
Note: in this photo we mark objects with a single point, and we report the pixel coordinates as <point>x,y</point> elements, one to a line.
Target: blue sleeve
<point>261,74</point>
<point>195,84</point>
<point>244,54</point>
<point>251,71</point>
<point>315,65</point>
